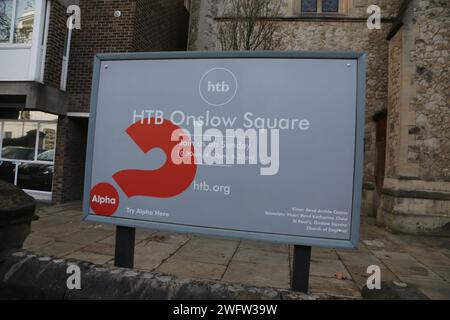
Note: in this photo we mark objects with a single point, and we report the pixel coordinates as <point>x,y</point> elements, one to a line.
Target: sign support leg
<point>300,270</point>
<point>124,254</point>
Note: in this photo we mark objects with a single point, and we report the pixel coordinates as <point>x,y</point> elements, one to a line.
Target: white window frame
<point>43,44</point>
<point>11,43</point>
<point>37,194</point>
<point>35,47</point>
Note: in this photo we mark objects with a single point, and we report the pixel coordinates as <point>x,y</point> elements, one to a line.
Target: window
<point>20,143</point>
<point>5,20</point>
<point>27,152</point>
<point>330,5</point>
<point>309,5</point>
<point>16,21</point>
<point>322,6</point>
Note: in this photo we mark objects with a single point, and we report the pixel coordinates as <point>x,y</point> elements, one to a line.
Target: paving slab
<point>344,288</point>
<point>111,240</point>
<point>36,240</point>
<point>105,227</point>
<point>324,253</point>
<point>258,274</point>
<point>443,272</point>
<point>45,210</point>
<point>403,264</point>
<point>264,246</point>
<point>430,258</point>
<point>168,237</point>
<point>59,248</point>
<point>407,241</point>
<point>100,248</point>
<point>46,222</point>
<point>72,213</point>
<point>208,250</point>
<point>358,258</point>
<point>142,234</point>
<point>152,254</point>
<point>192,269</point>
<point>328,268</point>
<point>59,230</point>
<point>85,236</point>
<point>434,289</point>
<point>90,257</point>
<point>260,256</point>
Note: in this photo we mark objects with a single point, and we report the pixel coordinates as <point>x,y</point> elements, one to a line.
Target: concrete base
<point>402,212</point>
<point>400,222</point>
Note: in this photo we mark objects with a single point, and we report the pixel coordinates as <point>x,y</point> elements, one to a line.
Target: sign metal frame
<point>360,57</point>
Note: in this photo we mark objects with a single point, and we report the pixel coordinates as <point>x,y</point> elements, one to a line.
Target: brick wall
<point>100,32</point>
<point>70,156</point>
<point>55,45</point>
<point>161,25</point>
<point>157,25</point>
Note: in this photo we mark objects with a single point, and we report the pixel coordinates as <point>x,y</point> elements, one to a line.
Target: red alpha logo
<point>168,181</point>
<point>104,199</point>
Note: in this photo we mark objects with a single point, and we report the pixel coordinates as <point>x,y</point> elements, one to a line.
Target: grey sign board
<point>255,145</point>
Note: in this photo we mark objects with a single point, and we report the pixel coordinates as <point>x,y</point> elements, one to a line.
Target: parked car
<point>18,153</point>
<point>14,153</point>
<point>37,176</point>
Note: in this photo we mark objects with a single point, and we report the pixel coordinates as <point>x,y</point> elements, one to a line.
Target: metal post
<point>124,254</point>
<point>300,270</point>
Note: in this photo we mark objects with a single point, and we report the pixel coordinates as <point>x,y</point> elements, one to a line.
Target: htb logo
<point>218,86</point>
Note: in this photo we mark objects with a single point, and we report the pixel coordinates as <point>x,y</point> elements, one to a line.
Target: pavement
<point>421,263</point>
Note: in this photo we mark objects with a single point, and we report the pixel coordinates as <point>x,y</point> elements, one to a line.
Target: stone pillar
<point>416,191</point>
<point>16,211</point>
